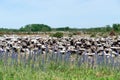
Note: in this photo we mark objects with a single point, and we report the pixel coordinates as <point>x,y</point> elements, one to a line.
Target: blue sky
<point>59,13</point>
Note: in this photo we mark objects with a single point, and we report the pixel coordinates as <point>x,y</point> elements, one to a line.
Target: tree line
<point>46,28</point>
<point>107,28</point>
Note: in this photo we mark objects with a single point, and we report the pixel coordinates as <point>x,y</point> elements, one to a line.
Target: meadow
<point>57,66</point>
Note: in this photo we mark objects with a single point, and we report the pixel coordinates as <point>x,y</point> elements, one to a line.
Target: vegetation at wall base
<point>53,67</point>
<point>57,35</point>
<point>57,72</point>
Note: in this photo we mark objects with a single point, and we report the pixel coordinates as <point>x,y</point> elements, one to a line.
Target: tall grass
<point>57,66</point>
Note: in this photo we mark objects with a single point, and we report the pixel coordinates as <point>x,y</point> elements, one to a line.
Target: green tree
<point>108,28</point>
<point>115,27</point>
<point>36,28</point>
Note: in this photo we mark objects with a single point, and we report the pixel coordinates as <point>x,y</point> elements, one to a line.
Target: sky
<point>59,13</point>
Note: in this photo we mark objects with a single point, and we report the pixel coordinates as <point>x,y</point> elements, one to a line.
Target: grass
<point>53,67</point>
<point>57,72</point>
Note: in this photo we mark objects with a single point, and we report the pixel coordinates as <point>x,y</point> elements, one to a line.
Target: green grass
<point>47,67</point>
<point>54,71</point>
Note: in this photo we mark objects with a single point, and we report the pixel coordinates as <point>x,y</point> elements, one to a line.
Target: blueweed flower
<point>79,62</point>
<point>52,56</point>
<point>93,62</point>
<point>1,55</point>
<point>67,56</point>
<point>16,58</point>
<point>89,61</point>
<point>39,52</point>
<point>25,60</point>
<point>42,65</point>
<point>34,57</point>
<point>21,57</point>
<point>59,56</point>
<point>106,60</point>
<point>85,57</point>
<point>46,49</point>
<point>29,56</point>
<point>13,56</point>
<point>102,59</point>
<point>116,63</point>
<point>5,58</point>
<point>111,60</point>
<point>96,58</point>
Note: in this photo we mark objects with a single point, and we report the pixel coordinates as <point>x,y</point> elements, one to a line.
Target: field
<point>59,73</point>
<point>54,67</point>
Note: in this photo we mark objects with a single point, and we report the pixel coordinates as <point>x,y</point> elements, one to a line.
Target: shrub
<point>57,34</point>
<point>70,35</point>
<point>112,33</point>
<point>74,33</point>
<point>93,35</point>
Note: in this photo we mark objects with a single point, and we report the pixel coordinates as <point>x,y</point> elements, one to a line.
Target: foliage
<point>116,27</point>
<point>36,28</point>
<point>112,33</point>
<point>74,33</point>
<point>70,35</point>
<point>108,28</point>
<point>8,30</point>
<point>60,73</point>
<point>57,34</point>
<point>53,67</point>
<point>93,35</point>
<point>63,29</point>
<point>45,28</point>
